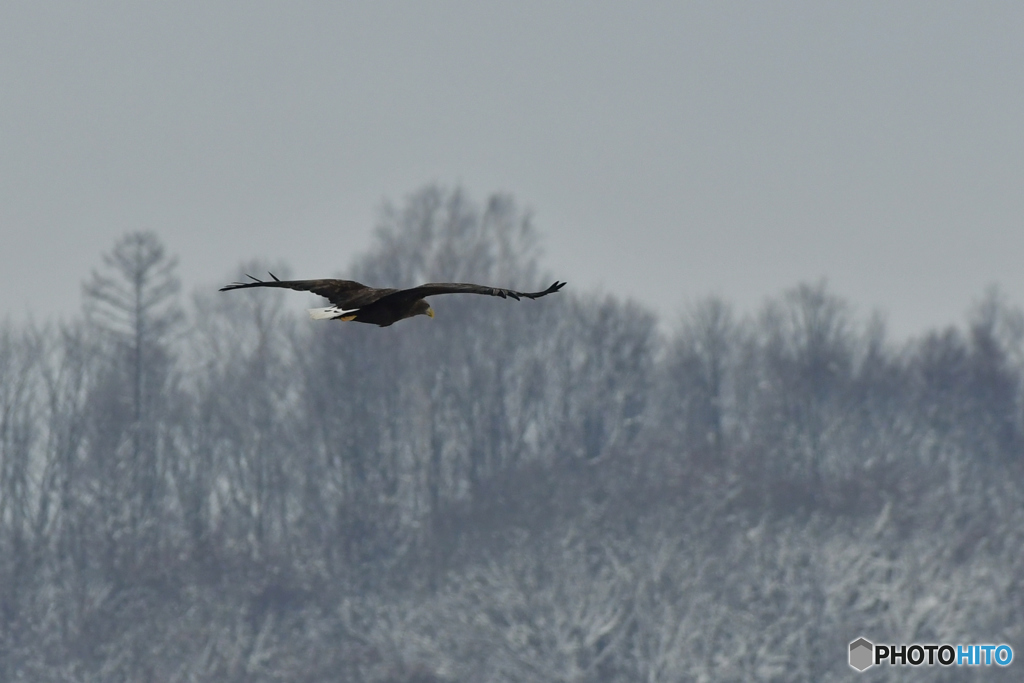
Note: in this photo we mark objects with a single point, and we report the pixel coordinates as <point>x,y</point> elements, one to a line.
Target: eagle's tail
<point>328,313</point>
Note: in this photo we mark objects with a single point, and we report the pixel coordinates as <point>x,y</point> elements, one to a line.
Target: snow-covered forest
<point>210,487</point>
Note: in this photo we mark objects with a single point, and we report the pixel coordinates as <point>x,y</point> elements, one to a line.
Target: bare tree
<point>697,378</point>
<point>131,304</point>
<point>241,431</point>
<point>19,433</point>
<point>806,358</point>
<point>132,300</point>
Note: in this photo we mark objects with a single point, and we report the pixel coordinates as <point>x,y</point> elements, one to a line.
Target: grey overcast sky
<point>668,150</point>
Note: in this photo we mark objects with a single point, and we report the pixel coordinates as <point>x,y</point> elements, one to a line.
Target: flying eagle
<point>359,303</point>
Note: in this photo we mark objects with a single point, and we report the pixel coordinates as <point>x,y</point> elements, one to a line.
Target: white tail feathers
<point>328,313</point>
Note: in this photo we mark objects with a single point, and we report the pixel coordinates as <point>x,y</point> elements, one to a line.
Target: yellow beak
<point>430,312</point>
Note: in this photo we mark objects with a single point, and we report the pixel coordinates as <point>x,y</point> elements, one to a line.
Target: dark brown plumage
<point>359,303</point>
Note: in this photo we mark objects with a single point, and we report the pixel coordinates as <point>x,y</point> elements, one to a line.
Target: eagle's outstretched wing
<point>345,294</point>
<point>466,288</point>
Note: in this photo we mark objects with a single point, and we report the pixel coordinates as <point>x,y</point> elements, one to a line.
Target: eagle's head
<point>421,307</point>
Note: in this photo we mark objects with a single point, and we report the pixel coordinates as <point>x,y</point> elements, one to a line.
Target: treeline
<point>216,489</point>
